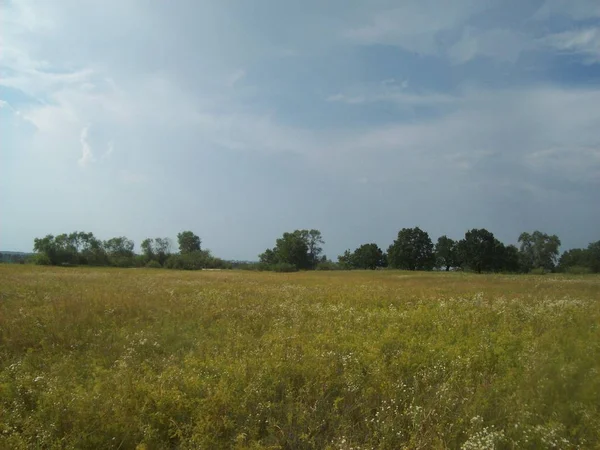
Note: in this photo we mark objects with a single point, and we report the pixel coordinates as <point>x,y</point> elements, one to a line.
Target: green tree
<point>147,247</point>
<point>119,251</point>
<point>291,248</point>
<point>412,250</point>
<point>510,259</point>
<point>157,249</point>
<point>477,250</point>
<point>445,253</point>
<point>538,250</point>
<point>188,242</point>
<point>313,240</point>
<point>368,256</point>
<point>346,261</point>
<point>593,251</point>
<point>47,246</point>
<point>268,257</point>
<point>576,257</point>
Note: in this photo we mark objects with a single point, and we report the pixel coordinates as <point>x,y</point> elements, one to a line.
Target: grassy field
<point>152,359</point>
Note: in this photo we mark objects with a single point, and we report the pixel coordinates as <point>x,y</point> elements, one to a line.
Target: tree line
<point>81,248</point>
<point>478,251</point>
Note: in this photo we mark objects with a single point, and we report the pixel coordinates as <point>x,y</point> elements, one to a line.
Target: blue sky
<point>241,120</point>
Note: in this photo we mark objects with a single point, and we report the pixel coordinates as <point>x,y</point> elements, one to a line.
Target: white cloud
<point>87,157</point>
<point>584,42</point>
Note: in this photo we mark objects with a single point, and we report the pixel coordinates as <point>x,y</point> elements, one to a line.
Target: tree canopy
<point>412,250</point>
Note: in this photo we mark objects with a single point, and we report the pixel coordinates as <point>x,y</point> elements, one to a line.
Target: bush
<point>188,261</point>
<point>578,270</point>
<point>327,265</point>
<point>255,266</point>
<point>153,265</point>
<point>538,271</point>
<point>41,259</point>
<point>121,261</point>
<point>284,267</point>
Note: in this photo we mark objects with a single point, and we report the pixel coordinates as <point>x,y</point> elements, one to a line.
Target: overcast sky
<point>240,120</point>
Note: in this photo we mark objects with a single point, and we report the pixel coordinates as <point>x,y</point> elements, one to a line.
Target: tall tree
<point>510,259</point>
<point>157,249</point>
<point>368,256</point>
<point>293,248</point>
<point>412,250</point>
<point>445,253</point>
<point>188,242</point>
<point>593,251</point>
<point>538,250</point>
<point>147,247</point>
<point>313,240</point>
<point>477,250</point>
<point>119,251</point>
<point>346,261</point>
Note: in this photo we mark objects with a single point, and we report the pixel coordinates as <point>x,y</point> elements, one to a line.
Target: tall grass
<point>146,359</point>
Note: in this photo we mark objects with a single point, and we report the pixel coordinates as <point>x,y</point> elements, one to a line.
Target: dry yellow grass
<point>110,358</point>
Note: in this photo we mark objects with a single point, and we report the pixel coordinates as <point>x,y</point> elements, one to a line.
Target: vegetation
<point>479,251</point>
<point>151,359</point>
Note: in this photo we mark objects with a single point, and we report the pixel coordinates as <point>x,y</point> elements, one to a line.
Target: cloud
<point>578,10</point>
<point>87,157</point>
<point>397,97</point>
<point>500,44</point>
<point>416,24</point>
<point>584,42</point>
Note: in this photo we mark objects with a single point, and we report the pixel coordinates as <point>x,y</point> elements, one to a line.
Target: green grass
<point>126,358</point>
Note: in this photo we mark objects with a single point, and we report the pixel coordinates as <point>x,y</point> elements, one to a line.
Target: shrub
<point>578,270</point>
<point>153,265</point>
<point>284,267</point>
<point>538,271</point>
<point>327,265</point>
<point>41,259</point>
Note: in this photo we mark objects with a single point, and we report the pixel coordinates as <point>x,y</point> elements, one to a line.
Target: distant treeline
<point>479,251</point>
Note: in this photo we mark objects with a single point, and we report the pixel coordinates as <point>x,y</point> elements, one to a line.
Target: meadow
<point>150,359</point>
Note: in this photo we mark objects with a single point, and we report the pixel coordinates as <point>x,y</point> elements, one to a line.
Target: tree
<point>367,256</point>
<point>445,253</point>
<point>188,242</point>
<point>157,249</point>
<point>593,251</point>
<point>477,250</point>
<point>510,260</point>
<point>412,250</point>
<point>346,261</point>
<point>162,248</point>
<point>47,246</point>
<point>119,251</point>
<point>538,250</point>
<point>576,257</point>
<point>293,248</point>
<point>147,247</point>
<point>268,257</point>
<point>313,240</point>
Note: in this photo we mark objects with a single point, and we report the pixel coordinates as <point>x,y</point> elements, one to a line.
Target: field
<point>152,359</point>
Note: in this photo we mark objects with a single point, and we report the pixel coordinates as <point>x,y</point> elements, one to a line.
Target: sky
<point>242,120</point>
